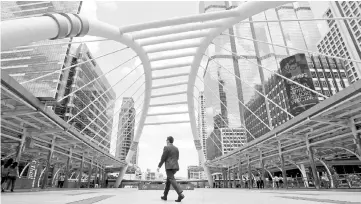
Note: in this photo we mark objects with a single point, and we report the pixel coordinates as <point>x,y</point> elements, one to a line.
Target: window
<point>313,75</point>
<point>316,83</point>
<point>324,84</point>
<point>343,75</point>
<point>328,75</point>
<point>320,74</point>
<point>336,75</point>
<point>357,33</point>
<point>327,93</point>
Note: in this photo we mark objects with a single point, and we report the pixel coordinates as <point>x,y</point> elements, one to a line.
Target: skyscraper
<point>235,59</point>
<point>343,38</point>
<point>202,128</point>
<point>92,106</point>
<point>27,63</point>
<point>126,130</point>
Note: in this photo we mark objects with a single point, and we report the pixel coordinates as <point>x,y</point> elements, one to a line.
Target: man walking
<point>170,158</point>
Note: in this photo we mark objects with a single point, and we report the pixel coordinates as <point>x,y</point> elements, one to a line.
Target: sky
<point>153,138</point>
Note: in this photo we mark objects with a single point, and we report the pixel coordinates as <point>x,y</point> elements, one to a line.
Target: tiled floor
<point>198,196</point>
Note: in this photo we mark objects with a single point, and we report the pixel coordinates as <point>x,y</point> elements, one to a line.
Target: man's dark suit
<point>170,158</point>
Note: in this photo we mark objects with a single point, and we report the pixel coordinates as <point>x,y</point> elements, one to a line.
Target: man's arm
<point>164,157</point>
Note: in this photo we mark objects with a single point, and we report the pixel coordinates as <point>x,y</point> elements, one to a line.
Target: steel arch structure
<point>145,40</point>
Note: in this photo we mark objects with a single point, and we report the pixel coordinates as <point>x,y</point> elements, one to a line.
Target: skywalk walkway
<point>199,196</point>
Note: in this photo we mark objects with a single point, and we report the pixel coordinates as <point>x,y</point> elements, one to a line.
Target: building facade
<point>327,75</point>
<point>343,38</point>
<point>26,64</point>
<point>92,106</point>
<point>234,70</point>
<point>126,130</point>
<point>202,128</point>
<point>195,172</point>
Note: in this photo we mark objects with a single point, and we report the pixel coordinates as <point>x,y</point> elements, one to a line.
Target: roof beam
<point>170,85</point>
<point>189,53</point>
<point>169,94</point>
<point>172,38</point>
<point>168,104</point>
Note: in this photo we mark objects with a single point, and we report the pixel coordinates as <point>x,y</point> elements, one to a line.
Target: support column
<point>46,172</point>
<point>80,171</point>
<point>312,163</point>
<point>250,182</point>
<point>235,178</point>
<point>67,170</point>
<point>284,173</point>
<point>357,137</point>
<point>332,184</point>
<point>90,172</point>
<point>262,168</point>
<point>50,155</point>
<point>229,178</point>
<point>304,175</point>
<point>240,174</point>
<point>121,175</point>
<point>96,174</point>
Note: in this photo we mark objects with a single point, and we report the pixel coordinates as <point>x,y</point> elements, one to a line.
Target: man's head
<point>170,140</point>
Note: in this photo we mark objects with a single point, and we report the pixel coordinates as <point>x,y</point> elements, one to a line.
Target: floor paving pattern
<point>198,196</point>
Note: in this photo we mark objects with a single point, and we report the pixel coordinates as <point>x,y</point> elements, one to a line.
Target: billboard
<point>296,68</point>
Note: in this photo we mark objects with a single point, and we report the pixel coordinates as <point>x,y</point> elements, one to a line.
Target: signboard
<point>296,68</point>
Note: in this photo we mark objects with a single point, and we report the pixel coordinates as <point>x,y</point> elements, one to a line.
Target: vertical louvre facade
<point>94,101</point>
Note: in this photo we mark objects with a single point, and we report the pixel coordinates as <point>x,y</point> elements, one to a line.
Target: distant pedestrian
<point>13,175</point>
<point>276,180</point>
<point>5,173</point>
<point>61,181</point>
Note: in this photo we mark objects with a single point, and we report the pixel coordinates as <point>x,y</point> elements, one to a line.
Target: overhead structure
<point>180,43</point>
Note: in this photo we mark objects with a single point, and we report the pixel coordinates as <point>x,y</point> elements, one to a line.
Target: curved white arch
<point>245,10</point>
<point>24,31</point>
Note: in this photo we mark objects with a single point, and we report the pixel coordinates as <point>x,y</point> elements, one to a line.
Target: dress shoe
<point>180,198</point>
<point>163,198</point>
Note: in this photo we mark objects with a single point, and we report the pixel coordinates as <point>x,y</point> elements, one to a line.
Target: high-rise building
<point>202,128</point>
<point>92,106</point>
<point>325,75</point>
<point>343,38</point>
<point>27,63</point>
<point>126,130</point>
<point>235,59</point>
<point>232,138</point>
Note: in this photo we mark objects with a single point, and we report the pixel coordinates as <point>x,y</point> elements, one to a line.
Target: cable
<point>66,68</point>
<point>313,91</point>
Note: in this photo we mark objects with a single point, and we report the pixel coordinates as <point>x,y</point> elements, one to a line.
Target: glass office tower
<point>27,63</point>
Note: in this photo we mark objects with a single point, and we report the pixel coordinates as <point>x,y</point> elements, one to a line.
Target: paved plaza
<point>209,196</point>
